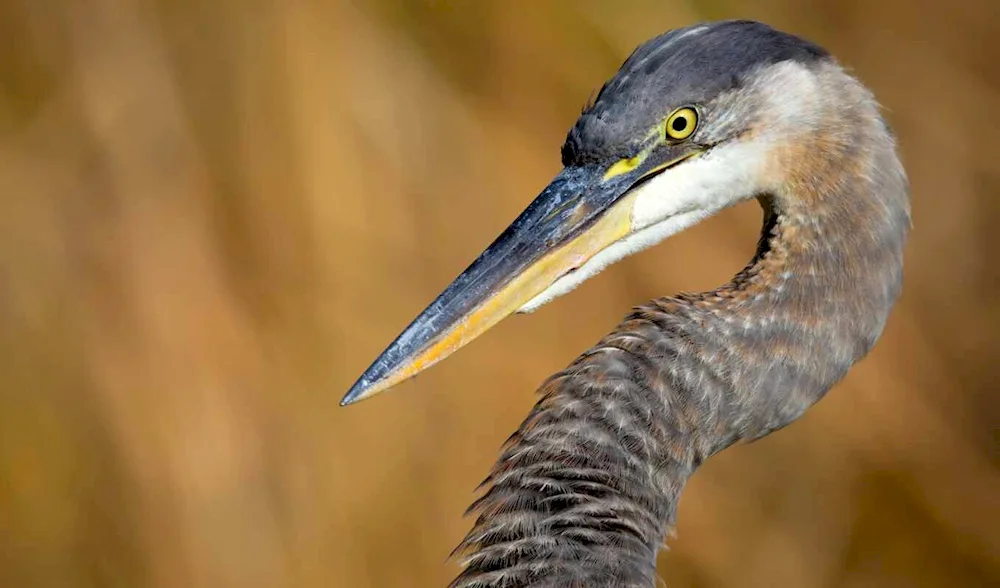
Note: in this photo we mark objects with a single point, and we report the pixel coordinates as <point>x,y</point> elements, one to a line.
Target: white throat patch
<point>671,202</point>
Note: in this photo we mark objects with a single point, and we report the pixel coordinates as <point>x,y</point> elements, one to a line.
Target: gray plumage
<point>586,490</point>
<point>692,65</point>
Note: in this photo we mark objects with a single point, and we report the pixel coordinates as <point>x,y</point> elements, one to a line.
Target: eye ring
<point>681,124</point>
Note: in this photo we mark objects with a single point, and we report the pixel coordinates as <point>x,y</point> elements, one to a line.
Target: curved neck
<point>811,303</point>
<point>586,490</point>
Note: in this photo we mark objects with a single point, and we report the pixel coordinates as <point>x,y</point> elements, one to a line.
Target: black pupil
<point>680,123</point>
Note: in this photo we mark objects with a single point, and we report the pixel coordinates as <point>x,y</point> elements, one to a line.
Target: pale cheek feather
<point>724,176</point>
<point>794,102</point>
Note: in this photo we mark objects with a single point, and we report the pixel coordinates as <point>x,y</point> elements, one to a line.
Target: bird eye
<point>681,124</point>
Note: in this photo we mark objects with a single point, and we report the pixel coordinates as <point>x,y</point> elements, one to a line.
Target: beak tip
<point>371,383</point>
<point>359,391</point>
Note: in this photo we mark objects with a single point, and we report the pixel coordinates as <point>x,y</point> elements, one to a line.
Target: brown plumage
<point>586,490</point>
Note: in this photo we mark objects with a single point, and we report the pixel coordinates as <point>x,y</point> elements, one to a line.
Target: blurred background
<point>214,215</point>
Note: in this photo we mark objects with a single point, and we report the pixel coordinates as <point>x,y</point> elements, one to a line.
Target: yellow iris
<point>681,124</point>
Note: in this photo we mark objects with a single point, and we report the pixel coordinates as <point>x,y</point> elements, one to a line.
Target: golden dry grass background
<point>214,215</point>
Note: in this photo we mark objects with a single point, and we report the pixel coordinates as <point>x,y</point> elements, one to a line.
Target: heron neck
<point>587,488</point>
<point>817,293</point>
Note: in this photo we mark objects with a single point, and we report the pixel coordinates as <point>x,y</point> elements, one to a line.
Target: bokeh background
<point>214,215</point>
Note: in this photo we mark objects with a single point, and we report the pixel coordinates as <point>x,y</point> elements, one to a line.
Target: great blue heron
<point>695,120</point>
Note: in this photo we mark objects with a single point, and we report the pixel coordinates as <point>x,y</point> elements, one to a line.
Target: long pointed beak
<point>575,217</point>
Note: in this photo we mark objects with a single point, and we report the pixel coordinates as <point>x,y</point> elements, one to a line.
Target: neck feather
<point>586,490</point>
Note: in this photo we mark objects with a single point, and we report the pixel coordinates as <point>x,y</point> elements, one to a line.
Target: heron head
<point>689,125</point>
